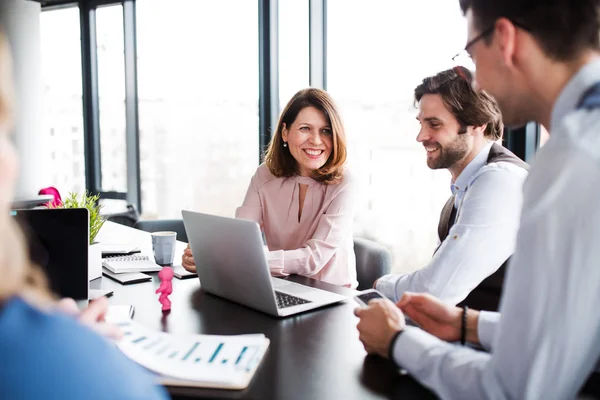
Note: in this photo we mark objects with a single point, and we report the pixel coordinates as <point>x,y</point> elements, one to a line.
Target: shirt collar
<point>471,169</point>
<point>569,97</point>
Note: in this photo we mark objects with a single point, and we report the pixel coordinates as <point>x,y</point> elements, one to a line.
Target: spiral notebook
<point>133,263</point>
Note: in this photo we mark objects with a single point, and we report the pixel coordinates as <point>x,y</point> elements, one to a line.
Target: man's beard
<point>450,154</point>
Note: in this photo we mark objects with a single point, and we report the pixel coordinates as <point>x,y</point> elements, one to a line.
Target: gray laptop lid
<point>230,259</point>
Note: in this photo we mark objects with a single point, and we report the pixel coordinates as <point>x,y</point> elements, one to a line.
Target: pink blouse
<point>320,245</point>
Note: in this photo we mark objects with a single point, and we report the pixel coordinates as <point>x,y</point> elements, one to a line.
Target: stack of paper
<point>118,249</point>
<point>225,362</point>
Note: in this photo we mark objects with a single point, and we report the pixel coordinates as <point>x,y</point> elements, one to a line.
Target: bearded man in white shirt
<point>540,59</point>
<point>478,225</point>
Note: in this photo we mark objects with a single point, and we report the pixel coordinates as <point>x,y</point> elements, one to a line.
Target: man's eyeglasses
<point>463,58</point>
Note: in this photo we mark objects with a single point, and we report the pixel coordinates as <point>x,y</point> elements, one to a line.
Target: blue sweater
<point>51,356</point>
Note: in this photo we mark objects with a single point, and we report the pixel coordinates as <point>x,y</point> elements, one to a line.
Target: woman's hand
<point>187,260</point>
<point>92,316</point>
<point>433,316</point>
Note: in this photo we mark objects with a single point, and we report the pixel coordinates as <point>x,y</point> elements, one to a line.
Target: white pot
<point>94,261</point>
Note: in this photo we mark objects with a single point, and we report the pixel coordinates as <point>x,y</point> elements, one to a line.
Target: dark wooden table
<point>314,355</point>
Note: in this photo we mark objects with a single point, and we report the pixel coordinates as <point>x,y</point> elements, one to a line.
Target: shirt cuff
<point>412,347</point>
<point>486,327</point>
<point>387,286</point>
<point>275,259</point>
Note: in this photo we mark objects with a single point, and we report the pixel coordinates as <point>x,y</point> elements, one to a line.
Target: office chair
<point>372,262</point>
<point>128,218</point>
<point>175,225</point>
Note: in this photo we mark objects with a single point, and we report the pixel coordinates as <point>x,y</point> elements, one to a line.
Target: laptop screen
<point>58,242</point>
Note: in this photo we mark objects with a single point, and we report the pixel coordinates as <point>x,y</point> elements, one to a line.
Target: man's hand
<point>187,260</point>
<point>432,315</point>
<point>92,316</point>
<point>378,324</point>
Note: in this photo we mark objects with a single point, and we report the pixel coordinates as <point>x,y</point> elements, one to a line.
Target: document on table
<point>211,361</point>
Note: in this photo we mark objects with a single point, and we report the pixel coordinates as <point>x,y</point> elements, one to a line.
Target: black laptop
<point>58,241</point>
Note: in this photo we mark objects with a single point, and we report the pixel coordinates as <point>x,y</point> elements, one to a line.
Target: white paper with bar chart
<point>211,361</point>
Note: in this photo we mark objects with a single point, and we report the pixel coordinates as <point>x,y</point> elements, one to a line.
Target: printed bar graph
<point>241,355</point>
<point>219,347</point>
<point>251,359</point>
<point>152,344</point>
<point>220,361</point>
<point>162,350</point>
<point>190,351</point>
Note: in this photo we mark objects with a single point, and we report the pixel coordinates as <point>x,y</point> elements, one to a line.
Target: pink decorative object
<point>54,192</point>
<point>166,287</point>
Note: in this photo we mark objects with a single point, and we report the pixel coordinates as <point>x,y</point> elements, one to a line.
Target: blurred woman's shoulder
<point>32,339</point>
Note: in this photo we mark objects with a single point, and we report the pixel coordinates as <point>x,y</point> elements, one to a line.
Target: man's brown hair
<point>469,107</point>
<point>280,161</point>
<point>563,28</point>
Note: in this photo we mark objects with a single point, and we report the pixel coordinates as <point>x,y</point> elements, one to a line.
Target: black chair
<point>175,225</point>
<point>372,262</point>
<point>128,218</point>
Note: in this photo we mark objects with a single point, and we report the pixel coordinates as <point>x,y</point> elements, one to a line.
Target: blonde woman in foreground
<point>50,350</point>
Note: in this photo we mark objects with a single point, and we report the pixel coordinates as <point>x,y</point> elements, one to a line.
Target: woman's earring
<point>284,144</point>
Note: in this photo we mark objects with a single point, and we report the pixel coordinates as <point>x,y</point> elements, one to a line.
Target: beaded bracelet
<point>463,327</point>
<point>392,344</point>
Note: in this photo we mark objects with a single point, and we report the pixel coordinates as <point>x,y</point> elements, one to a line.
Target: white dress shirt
<point>488,202</point>
<point>547,340</point>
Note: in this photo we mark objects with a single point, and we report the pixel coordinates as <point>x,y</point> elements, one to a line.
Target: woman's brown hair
<point>280,161</point>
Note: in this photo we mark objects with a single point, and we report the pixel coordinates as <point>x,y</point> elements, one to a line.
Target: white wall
<point>21,21</point>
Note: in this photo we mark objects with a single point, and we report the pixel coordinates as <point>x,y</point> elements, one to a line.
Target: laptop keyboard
<point>287,300</point>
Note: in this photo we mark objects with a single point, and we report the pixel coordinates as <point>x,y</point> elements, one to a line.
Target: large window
<point>111,91</point>
<point>198,104</point>
<point>198,84</point>
<point>293,49</point>
<point>378,51</point>
<point>62,104</point>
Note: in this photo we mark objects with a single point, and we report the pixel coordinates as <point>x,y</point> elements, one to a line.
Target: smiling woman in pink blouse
<point>303,196</point>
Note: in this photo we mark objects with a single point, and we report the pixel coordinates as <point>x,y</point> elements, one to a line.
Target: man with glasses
<point>478,225</point>
<point>540,59</point>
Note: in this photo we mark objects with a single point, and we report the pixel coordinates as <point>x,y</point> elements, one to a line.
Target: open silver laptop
<point>231,263</point>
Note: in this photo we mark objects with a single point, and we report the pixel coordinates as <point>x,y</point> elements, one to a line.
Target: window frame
<point>268,83</point>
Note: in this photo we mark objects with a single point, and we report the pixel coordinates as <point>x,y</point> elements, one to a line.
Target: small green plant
<point>90,202</point>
